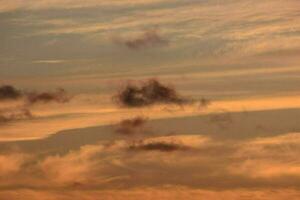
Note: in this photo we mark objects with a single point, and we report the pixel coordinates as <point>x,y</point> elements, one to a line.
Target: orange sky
<point>235,61</point>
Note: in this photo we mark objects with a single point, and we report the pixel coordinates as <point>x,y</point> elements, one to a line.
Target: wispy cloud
<point>107,166</point>
<point>49,61</point>
<point>59,96</point>
<point>14,114</point>
<point>131,126</point>
<point>271,157</point>
<point>50,4</point>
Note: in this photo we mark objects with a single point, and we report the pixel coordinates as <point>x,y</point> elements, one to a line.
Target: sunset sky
<point>215,113</point>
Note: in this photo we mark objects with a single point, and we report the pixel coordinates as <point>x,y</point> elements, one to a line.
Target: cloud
<point>150,193</point>
<point>8,92</point>
<point>131,126</point>
<point>150,38</point>
<point>149,93</point>
<point>74,167</point>
<point>204,102</point>
<point>167,143</point>
<point>14,5</point>
<point>11,163</point>
<point>210,163</point>
<point>13,114</point>
<point>271,157</point>
<point>49,61</point>
<point>12,110</point>
<point>59,96</point>
<point>157,146</point>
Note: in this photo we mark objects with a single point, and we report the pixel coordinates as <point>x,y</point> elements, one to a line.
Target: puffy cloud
<point>8,92</point>
<point>18,103</point>
<point>11,163</point>
<point>75,167</point>
<point>161,161</point>
<point>149,93</point>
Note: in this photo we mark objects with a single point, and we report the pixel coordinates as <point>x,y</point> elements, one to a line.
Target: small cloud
<point>10,113</point>
<point>157,146</point>
<point>14,114</point>
<point>148,93</point>
<point>59,96</point>
<point>149,38</point>
<point>204,102</point>
<point>8,92</point>
<point>131,126</point>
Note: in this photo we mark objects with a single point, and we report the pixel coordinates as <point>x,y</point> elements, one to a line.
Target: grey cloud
<point>131,126</point>
<point>148,93</point>
<point>59,96</point>
<point>9,92</point>
<point>150,38</point>
<point>162,146</point>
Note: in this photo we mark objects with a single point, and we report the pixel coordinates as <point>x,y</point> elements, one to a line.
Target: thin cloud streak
<point>59,96</point>
<point>15,5</point>
<point>157,146</point>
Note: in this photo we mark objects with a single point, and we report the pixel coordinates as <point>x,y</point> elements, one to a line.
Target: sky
<point>214,112</point>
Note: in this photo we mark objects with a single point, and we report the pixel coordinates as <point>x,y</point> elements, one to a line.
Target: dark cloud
<point>157,146</point>
<point>148,93</point>
<point>131,126</point>
<point>59,96</point>
<point>204,102</point>
<point>149,38</point>
<point>8,92</point>
<point>14,114</point>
